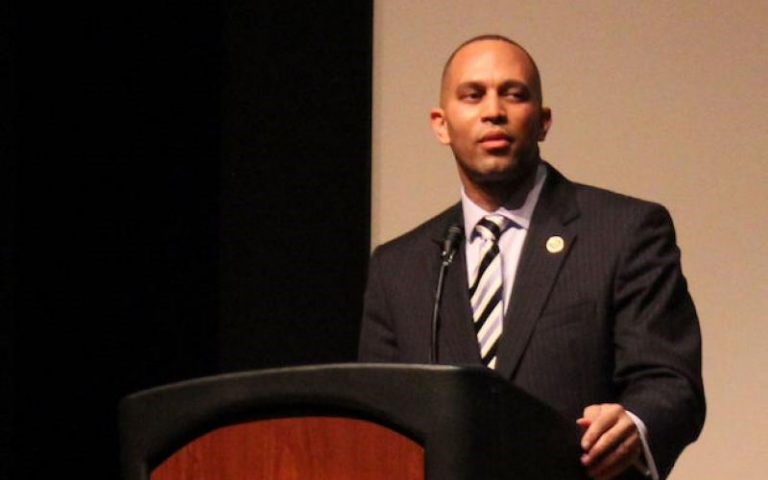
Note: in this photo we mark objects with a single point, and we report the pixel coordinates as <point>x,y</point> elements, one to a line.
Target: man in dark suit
<point>592,310</point>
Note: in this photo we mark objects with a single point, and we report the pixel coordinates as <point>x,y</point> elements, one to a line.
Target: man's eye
<point>471,96</point>
<point>517,95</point>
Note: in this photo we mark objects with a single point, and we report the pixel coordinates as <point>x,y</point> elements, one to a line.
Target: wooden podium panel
<point>297,448</point>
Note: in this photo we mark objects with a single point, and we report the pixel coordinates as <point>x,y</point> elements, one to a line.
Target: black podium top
<point>472,423</point>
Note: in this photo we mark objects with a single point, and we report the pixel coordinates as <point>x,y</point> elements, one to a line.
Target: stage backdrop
<point>660,100</point>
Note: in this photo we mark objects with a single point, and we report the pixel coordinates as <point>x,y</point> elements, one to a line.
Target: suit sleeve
<point>377,341</point>
<point>657,339</point>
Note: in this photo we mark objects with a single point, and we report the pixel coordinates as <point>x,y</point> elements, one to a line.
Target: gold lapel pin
<point>555,244</point>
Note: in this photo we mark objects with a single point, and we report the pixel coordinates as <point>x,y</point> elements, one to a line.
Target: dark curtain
<point>187,193</point>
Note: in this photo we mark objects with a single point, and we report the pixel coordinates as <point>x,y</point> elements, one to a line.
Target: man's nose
<point>494,110</point>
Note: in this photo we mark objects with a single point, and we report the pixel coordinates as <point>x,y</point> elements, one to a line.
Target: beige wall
<point>658,99</point>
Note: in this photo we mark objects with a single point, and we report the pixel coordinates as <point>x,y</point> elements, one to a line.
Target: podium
<point>346,421</point>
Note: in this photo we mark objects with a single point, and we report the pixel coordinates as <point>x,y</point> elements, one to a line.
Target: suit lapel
<point>458,339</point>
<point>457,343</point>
<point>538,267</point>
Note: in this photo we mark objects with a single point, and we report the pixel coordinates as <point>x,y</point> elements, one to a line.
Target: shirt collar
<point>521,216</point>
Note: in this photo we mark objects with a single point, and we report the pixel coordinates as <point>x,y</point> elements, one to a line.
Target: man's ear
<point>439,125</point>
<point>546,122</point>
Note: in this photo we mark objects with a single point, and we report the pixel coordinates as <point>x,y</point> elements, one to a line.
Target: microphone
<point>450,245</point>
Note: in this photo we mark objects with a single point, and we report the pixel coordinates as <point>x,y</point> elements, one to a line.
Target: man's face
<point>491,113</point>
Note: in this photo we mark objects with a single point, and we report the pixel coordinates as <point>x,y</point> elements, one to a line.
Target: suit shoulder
<point>614,215</point>
<point>591,199</point>
<point>571,199</point>
<point>425,235</point>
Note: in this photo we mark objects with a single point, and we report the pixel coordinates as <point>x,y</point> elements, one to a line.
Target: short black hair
<point>500,38</point>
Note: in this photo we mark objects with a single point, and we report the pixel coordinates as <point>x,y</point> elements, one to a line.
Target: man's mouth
<point>495,141</point>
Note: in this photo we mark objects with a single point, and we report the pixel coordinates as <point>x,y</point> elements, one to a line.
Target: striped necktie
<point>486,289</point>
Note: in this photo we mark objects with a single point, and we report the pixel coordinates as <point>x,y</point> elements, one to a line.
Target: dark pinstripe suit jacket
<point>607,319</point>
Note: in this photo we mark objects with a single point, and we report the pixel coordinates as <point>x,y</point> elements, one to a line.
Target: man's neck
<point>510,194</point>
